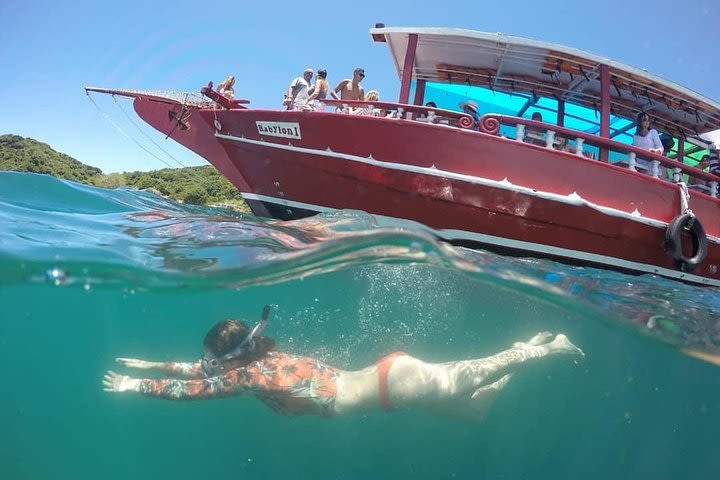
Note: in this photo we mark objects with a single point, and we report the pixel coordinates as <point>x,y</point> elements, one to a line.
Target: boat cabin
<point>588,103</point>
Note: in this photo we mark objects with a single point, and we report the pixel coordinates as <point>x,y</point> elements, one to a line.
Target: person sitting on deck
<point>226,87</point>
<point>238,360</point>
<point>470,107</point>
<point>534,135</point>
<point>698,183</point>
<point>667,142</point>
<point>431,117</point>
<point>372,96</point>
<point>712,163</point>
<point>714,160</point>
<point>563,145</point>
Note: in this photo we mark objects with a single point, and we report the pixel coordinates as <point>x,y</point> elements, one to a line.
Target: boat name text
<point>279,129</point>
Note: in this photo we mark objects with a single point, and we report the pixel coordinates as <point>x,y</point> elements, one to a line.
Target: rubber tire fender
<point>673,241</point>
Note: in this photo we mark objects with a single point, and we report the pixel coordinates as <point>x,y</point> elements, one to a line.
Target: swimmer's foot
<point>562,345</point>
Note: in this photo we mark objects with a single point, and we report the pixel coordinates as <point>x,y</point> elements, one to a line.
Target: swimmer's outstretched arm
<point>178,369</point>
<point>231,383</point>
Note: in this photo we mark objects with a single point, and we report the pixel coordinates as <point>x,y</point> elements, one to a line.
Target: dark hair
<point>224,336</point>
<point>431,104</point>
<point>640,117</point>
<point>667,141</point>
<point>322,73</point>
<point>536,114</point>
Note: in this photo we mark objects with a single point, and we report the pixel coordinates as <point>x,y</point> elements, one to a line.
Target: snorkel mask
<point>210,365</point>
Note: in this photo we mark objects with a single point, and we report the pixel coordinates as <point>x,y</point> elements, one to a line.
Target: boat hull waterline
<point>469,187</point>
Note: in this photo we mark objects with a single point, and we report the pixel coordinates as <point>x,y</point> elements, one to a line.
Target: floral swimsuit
<point>288,384</point>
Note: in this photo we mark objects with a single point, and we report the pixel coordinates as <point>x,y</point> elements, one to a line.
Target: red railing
<point>491,124</point>
<point>407,111</point>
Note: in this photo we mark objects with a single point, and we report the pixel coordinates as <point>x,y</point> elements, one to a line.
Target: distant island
<point>195,185</point>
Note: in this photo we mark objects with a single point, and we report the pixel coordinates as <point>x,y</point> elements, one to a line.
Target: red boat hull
<point>468,186</point>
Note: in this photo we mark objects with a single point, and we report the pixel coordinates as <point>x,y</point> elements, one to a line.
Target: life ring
<point>673,241</point>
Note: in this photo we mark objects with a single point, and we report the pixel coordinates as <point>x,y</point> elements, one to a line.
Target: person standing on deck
<point>319,91</point>
<point>350,88</point>
<point>297,94</point>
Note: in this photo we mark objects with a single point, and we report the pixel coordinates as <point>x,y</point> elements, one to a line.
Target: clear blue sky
<point>50,50</point>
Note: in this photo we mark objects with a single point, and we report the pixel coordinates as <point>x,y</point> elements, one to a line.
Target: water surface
<point>136,275</point>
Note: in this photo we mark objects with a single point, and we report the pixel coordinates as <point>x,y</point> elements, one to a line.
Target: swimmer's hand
<point>137,363</point>
<point>114,382</point>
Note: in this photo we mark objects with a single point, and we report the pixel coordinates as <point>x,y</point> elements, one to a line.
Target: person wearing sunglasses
<point>350,88</point>
<point>239,360</point>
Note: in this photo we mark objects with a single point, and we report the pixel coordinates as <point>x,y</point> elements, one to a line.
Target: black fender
<point>673,241</point>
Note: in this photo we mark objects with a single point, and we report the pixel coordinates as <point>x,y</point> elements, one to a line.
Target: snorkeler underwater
<point>240,361</point>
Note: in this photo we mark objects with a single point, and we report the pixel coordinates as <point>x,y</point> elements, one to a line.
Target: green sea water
<point>146,278</point>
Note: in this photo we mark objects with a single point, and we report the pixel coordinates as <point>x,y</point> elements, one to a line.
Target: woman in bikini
<point>318,92</point>
<point>238,360</point>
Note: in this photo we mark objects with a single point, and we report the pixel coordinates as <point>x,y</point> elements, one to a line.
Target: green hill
<point>196,185</point>
<point>28,155</point>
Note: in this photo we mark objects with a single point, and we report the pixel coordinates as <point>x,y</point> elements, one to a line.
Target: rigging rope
<point>202,181</point>
<point>145,134</point>
<point>123,132</point>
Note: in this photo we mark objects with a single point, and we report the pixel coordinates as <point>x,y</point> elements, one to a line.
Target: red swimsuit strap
<point>383,367</point>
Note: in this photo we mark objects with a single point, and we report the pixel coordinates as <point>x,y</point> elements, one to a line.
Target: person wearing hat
<point>297,94</point>
<point>238,360</point>
<point>470,107</point>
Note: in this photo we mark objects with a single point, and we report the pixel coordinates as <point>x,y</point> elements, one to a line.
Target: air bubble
<point>56,276</point>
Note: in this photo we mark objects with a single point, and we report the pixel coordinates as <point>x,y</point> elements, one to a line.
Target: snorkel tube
<point>249,342</point>
<point>210,365</point>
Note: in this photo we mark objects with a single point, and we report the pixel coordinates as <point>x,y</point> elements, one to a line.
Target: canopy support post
<point>561,113</point>
<point>529,103</point>
<point>419,92</point>
<point>408,68</point>
<point>681,149</point>
<point>604,108</point>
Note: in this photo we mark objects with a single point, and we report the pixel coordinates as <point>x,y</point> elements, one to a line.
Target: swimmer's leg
<point>470,375</point>
<point>495,387</point>
<point>449,386</point>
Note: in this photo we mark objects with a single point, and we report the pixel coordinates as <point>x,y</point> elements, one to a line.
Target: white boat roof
<point>517,64</point>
